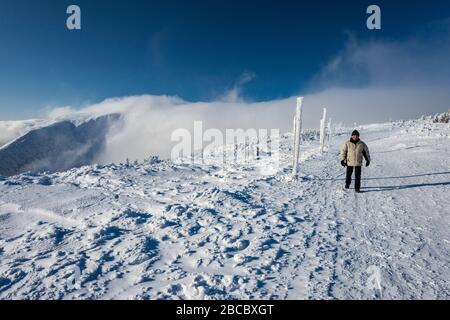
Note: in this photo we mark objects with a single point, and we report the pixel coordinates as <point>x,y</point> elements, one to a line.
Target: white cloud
<point>10,130</point>
<point>234,95</point>
<point>148,121</point>
<point>60,112</point>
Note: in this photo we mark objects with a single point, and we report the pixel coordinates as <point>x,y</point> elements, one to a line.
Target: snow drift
<point>165,230</point>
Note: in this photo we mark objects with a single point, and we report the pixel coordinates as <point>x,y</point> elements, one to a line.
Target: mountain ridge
<point>57,147</point>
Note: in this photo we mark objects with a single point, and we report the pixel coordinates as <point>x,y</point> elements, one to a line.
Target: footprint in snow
<point>239,246</point>
<point>108,233</point>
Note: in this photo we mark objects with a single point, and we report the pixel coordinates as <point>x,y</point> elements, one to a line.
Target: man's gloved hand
<point>367,163</point>
<point>343,163</point>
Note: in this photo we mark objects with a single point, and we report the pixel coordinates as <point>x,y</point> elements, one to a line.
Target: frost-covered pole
<point>294,134</point>
<point>322,129</point>
<point>297,132</point>
<point>293,126</point>
<point>257,147</point>
<point>330,132</point>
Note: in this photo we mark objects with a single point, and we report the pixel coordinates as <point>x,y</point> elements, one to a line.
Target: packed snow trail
<point>176,231</point>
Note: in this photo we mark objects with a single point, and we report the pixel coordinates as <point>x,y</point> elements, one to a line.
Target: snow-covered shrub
<point>45,181</point>
<point>153,160</point>
<point>310,135</point>
<point>442,118</point>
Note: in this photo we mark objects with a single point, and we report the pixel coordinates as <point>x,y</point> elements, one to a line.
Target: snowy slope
<point>57,146</point>
<point>11,130</point>
<point>160,230</point>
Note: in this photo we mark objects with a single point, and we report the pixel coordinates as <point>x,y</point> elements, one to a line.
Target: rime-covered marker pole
<point>297,132</point>
<point>322,129</point>
<point>330,133</point>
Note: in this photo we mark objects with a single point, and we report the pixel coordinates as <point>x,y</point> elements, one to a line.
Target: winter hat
<point>355,133</point>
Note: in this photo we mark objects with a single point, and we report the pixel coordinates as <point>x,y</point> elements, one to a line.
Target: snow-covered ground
<point>160,230</point>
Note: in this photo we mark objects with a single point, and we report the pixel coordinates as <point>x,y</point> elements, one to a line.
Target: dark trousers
<point>348,180</point>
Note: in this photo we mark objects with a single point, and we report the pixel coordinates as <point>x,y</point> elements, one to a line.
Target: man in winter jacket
<point>352,153</point>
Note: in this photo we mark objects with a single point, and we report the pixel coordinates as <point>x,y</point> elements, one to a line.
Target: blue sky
<point>195,49</point>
